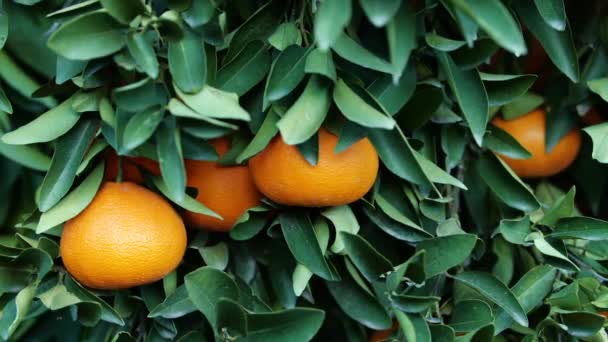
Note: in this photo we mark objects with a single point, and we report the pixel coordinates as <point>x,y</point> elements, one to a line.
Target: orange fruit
<point>127,236</point>
<point>592,117</point>
<point>283,175</point>
<point>227,190</point>
<point>383,335</point>
<point>130,167</point>
<point>529,130</point>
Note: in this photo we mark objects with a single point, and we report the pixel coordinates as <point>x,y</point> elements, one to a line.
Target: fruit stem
<point>119,173</point>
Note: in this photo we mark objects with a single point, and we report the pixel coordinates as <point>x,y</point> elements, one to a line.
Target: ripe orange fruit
<point>127,236</point>
<point>227,190</point>
<point>130,167</point>
<point>382,335</point>
<point>283,175</point>
<point>529,130</point>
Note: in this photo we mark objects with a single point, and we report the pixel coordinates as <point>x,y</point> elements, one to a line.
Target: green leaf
<point>530,291</point>
<point>559,45</point>
<point>15,77</point>
<point>440,43</point>
<point>170,159</point>
<point>397,155</point>
<point>206,287</point>
<point>140,95</point>
<point>259,26</point>
<point>330,20</point>
<point>358,304</point>
<point>216,256</point>
<point>15,310</point>
<point>503,89</point>
<point>187,202</point>
<point>344,220</point>
<point>286,73</point>
<point>496,291</point>
<point>176,305</point>
<point>304,118</point>
<point>468,57</point>
<point>188,63</point>
<point>267,131</point>
<point>599,136</point>
<point>141,127</point>
<point>199,13</point>
<point>413,304</point>
<point>215,103</point>
<point>494,18</point>
<point>69,151</point>
<point>586,228</point>
<point>505,184</point>
<point>515,230</point>
<point>352,51</point>
<point>393,96</point>
<point>72,204</point>
<point>522,105</point>
<point>553,12</point>
<point>443,253</point>
<point>436,174</point>
<point>287,34</point>
<point>582,324</point>
<point>46,127</point>
<point>88,36</point>
<point>380,12</point>
<point>26,155</point>
<point>319,62</point>
<point>502,142</point>
<point>469,315</point>
<point>303,244</point>
<point>470,94</point>
<point>369,261</point>
<point>3,28</point>
<point>413,327</point>
<point>5,104</point>
<point>245,70</point>
<point>426,101</point>
<point>358,110</point>
<point>600,87</point>
<point>562,208</point>
<point>143,53</point>
<point>124,10</point>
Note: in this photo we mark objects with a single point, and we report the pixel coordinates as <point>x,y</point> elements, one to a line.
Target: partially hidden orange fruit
<point>127,236</point>
<point>130,167</point>
<point>284,176</point>
<point>383,335</point>
<point>227,190</point>
<point>530,131</point>
<point>592,117</point>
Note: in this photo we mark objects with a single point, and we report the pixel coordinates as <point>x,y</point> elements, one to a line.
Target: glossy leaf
<point>586,228</point>
<point>357,110</point>
<point>553,13</point>
<point>170,160</point>
<point>245,70</point>
<point>188,63</point>
<point>352,51</point>
<point>443,253</point>
<point>330,20</point>
<point>286,72</point>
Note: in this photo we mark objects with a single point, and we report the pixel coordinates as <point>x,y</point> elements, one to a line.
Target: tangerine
<point>227,190</point>
<point>127,236</point>
<point>530,131</point>
<point>283,175</point>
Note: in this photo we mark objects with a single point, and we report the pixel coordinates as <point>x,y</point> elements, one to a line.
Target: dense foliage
<point>450,244</point>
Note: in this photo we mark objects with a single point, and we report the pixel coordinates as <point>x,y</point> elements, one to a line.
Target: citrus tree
<point>296,170</point>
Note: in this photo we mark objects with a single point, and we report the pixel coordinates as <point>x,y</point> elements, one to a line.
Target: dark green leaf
<point>553,12</point>
<point>380,12</point>
<point>505,185</point>
<point>352,51</point>
<point>69,151</point>
<point>470,94</point>
<point>558,44</point>
<point>503,89</point>
<point>287,34</point>
<point>413,304</point>
<point>368,260</point>
<point>89,36</point>
<point>356,109</point>
<point>199,13</point>
<point>188,63</point>
<point>304,118</point>
<point>502,142</point>
<point>286,73</point>
<point>496,291</point>
<point>562,208</point>
<point>440,43</point>
<point>124,10</point>
<point>206,287</point>
<point>141,126</point>
<point>330,20</point>
<point>303,244</point>
<point>582,324</point>
<point>443,253</point>
<point>494,18</point>
<point>392,96</point>
<point>470,315</point>
<point>143,53</point>
<point>319,62</point>
<point>245,70</point>
<point>586,228</point>
<point>170,160</point>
